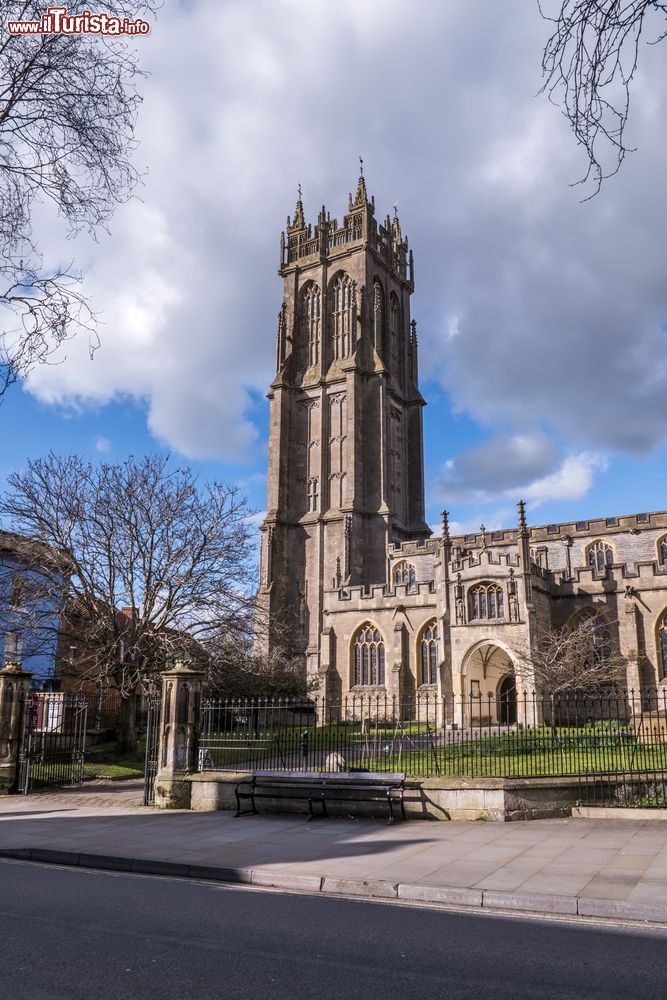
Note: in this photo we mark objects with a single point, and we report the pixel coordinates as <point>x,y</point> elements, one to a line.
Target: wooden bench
<point>322,787</point>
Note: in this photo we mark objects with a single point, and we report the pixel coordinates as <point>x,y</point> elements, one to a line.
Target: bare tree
<point>589,63</point>
<point>158,565</point>
<point>235,671</point>
<point>577,660</point>
<point>68,105</point>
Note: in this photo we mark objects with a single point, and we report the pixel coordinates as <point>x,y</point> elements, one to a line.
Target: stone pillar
<point>14,684</point>
<point>179,731</point>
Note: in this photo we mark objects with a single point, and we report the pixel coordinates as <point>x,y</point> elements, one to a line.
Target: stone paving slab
<point>602,867</point>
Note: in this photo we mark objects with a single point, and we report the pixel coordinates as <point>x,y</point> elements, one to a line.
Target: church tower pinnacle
<point>345,442</point>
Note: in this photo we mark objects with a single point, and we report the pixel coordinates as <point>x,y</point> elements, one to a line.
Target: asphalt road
<point>73,934</point>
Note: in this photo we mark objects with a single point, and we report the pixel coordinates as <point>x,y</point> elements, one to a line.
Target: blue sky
<point>541,319</point>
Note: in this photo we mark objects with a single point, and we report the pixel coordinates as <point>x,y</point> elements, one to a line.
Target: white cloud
<point>571,481</point>
<point>534,310</point>
<point>102,444</point>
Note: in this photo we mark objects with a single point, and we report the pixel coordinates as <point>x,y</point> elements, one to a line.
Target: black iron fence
<point>620,736</point>
<point>52,741</point>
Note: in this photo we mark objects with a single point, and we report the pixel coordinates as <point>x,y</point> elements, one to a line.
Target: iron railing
<point>620,736</point>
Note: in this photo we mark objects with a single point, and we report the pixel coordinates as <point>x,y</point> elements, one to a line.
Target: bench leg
<point>391,806</point>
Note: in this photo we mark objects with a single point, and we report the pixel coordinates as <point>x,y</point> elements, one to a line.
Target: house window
<point>17,595</point>
<point>487,602</point>
<point>404,574</point>
<point>599,555</point>
<point>368,656</point>
<point>428,649</point>
<point>12,647</point>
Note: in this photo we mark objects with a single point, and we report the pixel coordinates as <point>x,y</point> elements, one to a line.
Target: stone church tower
<point>345,444</point>
<point>351,582</point>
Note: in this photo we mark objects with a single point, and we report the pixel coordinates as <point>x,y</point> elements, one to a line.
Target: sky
<point>541,317</point>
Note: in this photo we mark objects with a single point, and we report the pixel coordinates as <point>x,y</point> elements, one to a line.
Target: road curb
<point>447,896</point>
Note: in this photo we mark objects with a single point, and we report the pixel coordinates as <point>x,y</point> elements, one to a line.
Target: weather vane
<point>299,190</point>
<point>395,209</point>
<point>361,165</point>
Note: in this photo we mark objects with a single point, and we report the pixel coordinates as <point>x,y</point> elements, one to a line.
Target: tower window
<point>404,574</point>
<point>368,656</point>
<point>312,495</point>
<point>311,320</point>
<point>599,555</point>
<point>428,654</point>
<point>487,602</point>
<point>342,317</point>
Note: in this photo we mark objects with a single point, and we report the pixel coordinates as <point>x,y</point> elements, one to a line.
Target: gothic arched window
<point>428,654</point>
<point>394,337</point>
<point>311,307</point>
<point>662,550</point>
<point>368,656</point>
<point>487,602</point>
<point>588,619</point>
<point>404,574</point>
<point>662,645</point>
<point>342,315</point>
<point>599,555</point>
<point>378,318</point>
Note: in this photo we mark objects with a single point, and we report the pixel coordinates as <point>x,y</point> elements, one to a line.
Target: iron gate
<point>53,741</point>
<point>152,749</point>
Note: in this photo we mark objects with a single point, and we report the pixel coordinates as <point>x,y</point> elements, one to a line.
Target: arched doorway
<point>507,701</point>
<point>485,666</point>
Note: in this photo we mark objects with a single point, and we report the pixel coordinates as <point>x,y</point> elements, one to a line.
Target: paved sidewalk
<point>588,867</point>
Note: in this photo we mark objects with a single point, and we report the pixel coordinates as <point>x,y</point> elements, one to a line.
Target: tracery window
<point>378,318</point>
<point>394,337</point>
<point>487,602</point>
<point>662,550</point>
<point>662,644</point>
<point>599,555</point>
<point>368,656</point>
<point>404,574</point>
<point>311,316</point>
<point>342,316</point>
<point>428,654</point>
<point>602,644</point>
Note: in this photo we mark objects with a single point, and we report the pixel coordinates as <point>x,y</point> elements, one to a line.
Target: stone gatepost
<point>14,684</point>
<point>179,731</point>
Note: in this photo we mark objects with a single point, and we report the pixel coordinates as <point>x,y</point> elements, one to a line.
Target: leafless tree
<point>580,660</point>
<point>235,671</point>
<point>158,565</point>
<point>589,63</point>
<point>68,105</point>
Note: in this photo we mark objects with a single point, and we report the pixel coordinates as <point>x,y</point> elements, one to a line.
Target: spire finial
<point>298,222</point>
<point>445,525</point>
<point>521,505</point>
<point>395,209</point>
<point>361,165</point>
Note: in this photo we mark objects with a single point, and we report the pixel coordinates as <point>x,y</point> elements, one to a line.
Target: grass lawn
<point>102,761</point>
